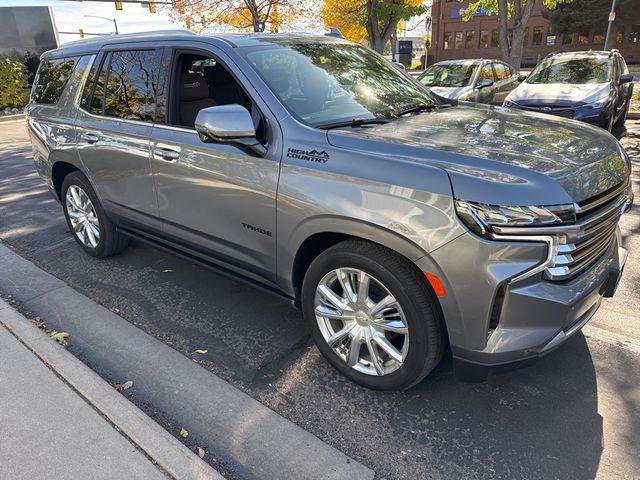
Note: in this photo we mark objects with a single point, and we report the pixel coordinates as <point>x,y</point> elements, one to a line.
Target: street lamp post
<point>115,24</point>
<point>612,16</point>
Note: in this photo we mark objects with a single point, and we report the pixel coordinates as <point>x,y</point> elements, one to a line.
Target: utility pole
<point>115,24</point>
<point>612,17</point>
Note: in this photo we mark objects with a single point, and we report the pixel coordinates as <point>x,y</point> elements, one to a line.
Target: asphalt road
<point>574,415</point>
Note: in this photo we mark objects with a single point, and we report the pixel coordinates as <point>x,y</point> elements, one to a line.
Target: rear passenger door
<point>113,127</point>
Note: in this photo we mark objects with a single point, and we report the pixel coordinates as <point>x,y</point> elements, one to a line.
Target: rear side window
<point>53,76</point>
<point>131,85</point>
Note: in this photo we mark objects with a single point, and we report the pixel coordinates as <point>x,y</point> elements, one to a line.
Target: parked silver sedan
<point>478,80</point>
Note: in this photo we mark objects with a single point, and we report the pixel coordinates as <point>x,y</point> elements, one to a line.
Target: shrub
<point>13,82</point>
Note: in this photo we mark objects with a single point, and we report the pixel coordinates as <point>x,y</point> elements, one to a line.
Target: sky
<point>70,16</point>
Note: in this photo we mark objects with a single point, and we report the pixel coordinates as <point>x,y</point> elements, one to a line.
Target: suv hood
<point>502,156</point>
<point>558,93</point>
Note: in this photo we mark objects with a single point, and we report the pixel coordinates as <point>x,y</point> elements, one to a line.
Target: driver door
<point>216,200</point>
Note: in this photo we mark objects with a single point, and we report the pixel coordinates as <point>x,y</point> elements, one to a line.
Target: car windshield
<point>326,83</point>
<point>575,70</point>
<point>455,75</point>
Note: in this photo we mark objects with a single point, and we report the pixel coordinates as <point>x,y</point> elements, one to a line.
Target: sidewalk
<point>48,430</point>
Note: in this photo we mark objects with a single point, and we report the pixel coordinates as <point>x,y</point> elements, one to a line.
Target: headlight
<point>480,217</point>
<point>600,102</point>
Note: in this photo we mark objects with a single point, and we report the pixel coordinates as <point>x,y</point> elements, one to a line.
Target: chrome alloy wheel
<point>361,321</point>
<point>82,215</point>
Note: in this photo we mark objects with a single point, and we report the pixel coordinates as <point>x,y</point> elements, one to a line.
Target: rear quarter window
<point>52,77</point>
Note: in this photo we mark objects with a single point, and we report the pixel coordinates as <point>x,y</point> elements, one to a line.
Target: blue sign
<point>405,46</point>
<point>458,12</point>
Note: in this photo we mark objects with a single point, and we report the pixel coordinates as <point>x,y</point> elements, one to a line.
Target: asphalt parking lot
<point>576,414</point>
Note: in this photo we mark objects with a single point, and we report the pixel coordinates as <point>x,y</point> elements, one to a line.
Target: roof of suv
<point>584,54</point>
<point>232,39</point>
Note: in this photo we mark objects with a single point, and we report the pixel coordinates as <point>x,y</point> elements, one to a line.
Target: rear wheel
<point>86,219</point>
<point>373,315</point>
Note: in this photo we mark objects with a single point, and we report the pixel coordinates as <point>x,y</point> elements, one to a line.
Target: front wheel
<point>373,315</point>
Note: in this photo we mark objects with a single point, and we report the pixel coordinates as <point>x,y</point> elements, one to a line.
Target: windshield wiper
<point>421,107</point>
<point>354,123</point>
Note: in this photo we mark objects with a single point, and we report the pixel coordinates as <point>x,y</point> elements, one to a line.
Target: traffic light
<point>81,33</point>
<point>118,5</point>
<point>152,7</point>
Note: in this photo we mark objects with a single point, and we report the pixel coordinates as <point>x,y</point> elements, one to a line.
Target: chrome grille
<point>593,235</point>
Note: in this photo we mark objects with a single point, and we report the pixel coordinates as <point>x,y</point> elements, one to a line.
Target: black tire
<point>111,242</point>
<point>427,335</point>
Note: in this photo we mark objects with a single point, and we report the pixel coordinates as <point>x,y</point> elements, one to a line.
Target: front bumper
<point>494,321</point>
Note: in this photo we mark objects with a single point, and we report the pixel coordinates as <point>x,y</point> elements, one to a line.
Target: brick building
<point>453,38</point>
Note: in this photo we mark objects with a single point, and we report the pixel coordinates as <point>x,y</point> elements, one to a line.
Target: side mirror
<point>522,77</point>
<point>231,124</point>
<point>484,84</point>
<point>625,78</point>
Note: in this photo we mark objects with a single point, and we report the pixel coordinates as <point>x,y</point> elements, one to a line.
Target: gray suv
<point>402,226</point>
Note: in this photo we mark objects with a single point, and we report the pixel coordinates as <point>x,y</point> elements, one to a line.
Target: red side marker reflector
<point>436,284</point>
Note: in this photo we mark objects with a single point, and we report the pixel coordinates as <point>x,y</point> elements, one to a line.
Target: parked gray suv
<point>310,166</point>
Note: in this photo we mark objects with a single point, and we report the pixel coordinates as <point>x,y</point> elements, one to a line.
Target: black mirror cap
<point>522,77</point>
<point>625,78</point>
<point>484,83</point>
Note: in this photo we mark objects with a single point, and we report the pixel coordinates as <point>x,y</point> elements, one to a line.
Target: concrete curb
<point>246,436</point>
<point>18,117</point>
<point>157,443</point>
<point>633,115</point>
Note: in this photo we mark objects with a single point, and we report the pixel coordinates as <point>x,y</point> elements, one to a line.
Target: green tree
<point>518,11</point>
<point>382,17</point>
<point>584,15</point>
<point>13,82</point>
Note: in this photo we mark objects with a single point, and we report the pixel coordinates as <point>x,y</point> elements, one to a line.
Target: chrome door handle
<point>166,154</point>
<point>90,137</point>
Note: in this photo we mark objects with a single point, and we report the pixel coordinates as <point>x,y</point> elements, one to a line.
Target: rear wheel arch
<point>59,172</point>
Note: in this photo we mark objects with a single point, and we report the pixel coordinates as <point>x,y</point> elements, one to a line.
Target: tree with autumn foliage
<point>250,15</point>
<point>518,11</point>
<point>377,20</point>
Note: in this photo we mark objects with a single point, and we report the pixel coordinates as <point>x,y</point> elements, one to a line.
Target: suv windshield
<point>575,70</point>
<point>325,83</point>
<point>447,75</point>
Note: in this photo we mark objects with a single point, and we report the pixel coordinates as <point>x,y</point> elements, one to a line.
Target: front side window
<point>132,85</point>
<point>574,71</point>
<point>328,83</point>
<point>53,76</point>
<point>502,71</point>
<point>456,75</point>
<point>487,72</point>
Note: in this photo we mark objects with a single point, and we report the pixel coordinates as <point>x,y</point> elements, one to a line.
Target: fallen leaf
<point>37,321</point>
<point>115,310</point>
<point>201,452</point>
<point>168,270</point>
<point>126,385</point>
<point>184,433</point>
<point>60,337</point>
<point>118,386</point>
<point>202,352</point>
